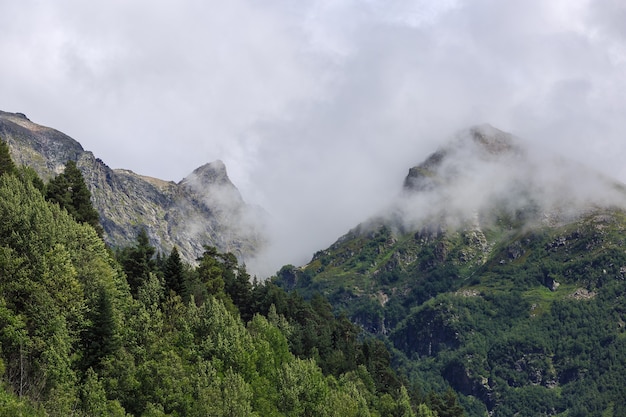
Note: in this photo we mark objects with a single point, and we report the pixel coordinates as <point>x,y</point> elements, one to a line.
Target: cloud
<point>317,108</point>
<point>484,175</point>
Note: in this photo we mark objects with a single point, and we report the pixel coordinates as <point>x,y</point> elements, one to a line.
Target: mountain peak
<point>14,115</point>
<point>484,171</point>
<point>42,148</point>
<point>492,140</point>
<point>210,184</point>
<point>477,144</point>
<point>210,173</point>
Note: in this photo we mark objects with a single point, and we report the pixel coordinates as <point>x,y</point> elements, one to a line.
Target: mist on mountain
<point>483,174</point>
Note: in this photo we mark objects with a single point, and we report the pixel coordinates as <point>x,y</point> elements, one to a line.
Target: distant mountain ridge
<point>204,208</point>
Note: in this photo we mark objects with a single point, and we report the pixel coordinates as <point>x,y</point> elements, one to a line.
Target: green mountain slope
<point>498,272</point>
<point>82,334</point>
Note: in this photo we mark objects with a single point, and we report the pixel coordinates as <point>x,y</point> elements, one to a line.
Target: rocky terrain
<point>205,208</point>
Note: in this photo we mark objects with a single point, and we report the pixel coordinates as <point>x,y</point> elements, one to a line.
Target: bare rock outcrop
<point>205,208</point>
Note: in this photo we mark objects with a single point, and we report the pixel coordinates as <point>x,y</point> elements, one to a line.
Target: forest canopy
<point>88,331</point>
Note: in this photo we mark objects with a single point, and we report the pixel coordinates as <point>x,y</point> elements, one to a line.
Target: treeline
<point>87,331</point>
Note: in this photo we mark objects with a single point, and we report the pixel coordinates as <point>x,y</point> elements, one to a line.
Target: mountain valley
<point>498,277</point>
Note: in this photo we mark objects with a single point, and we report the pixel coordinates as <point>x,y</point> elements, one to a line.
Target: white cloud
<point>318,108</point>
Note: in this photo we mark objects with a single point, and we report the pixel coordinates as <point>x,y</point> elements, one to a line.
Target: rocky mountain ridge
<point>204,208</point>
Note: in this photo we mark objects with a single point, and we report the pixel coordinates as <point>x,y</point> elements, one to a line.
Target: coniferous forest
<point>510,319</point>
<point>86,330</point>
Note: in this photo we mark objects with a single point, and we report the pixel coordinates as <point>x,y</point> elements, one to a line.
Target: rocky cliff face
<point>205,208</point>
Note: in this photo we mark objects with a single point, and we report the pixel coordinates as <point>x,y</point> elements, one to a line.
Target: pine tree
<point>70,192</point>
<point>137,261</point>
<point>174,273</point>
<point>238,287</point>
<point>424,411</point>
<point>6,163</point>
<point>210,271</point>
<point>29,175</point>
<point>102,338</point>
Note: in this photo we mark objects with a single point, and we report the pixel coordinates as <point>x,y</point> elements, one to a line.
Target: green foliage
<point>476,326</point>
<point>138,261</point>
<point>209,273</point>
<point>446,405</point>
<point>75,342</point>
<point>517,320</point>
<point>219,275</point>
<point>28,175</point>
<point>13,406</point>
<point>304,389</point>
<point>94,401</point>
<point>174,273</point>
<point>101,339</point>
<point>49,268</point>
<point>6,162</point>
<point>424,411</point>
<point>71,193</point>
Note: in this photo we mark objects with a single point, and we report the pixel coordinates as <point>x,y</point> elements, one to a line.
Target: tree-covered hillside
<point>85,331</point>
<point>538,328</point>
<point>499,273</point>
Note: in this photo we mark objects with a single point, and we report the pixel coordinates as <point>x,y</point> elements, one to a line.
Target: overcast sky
<point>318,108</point>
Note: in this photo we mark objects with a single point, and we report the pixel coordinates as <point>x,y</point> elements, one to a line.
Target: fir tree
<point>137,261</point>
<point>174,272</point>
<point>101,339</point>
<point>210,271</point>
<point>237,285</point>
<point>70,192</point>
<point>6,163</point>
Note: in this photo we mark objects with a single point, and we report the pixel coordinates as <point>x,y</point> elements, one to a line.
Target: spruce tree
<point>237,284</point>
<point>6,163</point>
<point>137,261</point>
<point>173,272</point>
<point>210,271</point>
<point>71,193</point>
<point>101,339</point>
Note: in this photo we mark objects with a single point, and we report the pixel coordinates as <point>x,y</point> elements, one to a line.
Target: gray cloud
<point>317,108</point>
<point>484,175</point>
